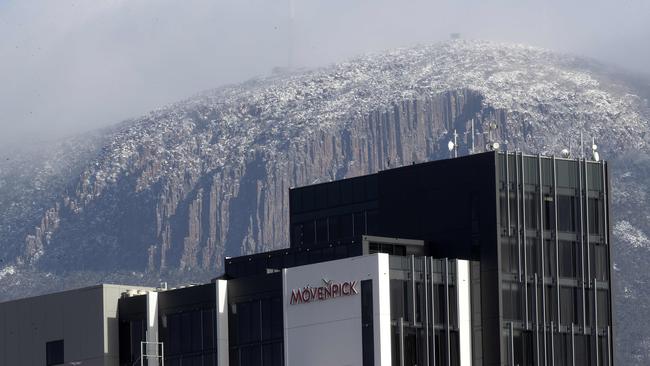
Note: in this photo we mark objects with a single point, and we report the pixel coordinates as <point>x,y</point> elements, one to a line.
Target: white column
<point>152,327</point>
<point>222,323</point>
<point>464,312</point>
<point>382,313</point>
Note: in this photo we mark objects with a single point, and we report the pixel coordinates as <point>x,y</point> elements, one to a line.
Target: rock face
<point>168,195</point>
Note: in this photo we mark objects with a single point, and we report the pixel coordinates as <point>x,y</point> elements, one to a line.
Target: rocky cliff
<point>168,195</point>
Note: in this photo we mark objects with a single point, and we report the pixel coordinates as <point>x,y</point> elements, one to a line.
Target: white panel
<point>381,302</point>
<point>328,332</point>
<point>152,326</point>
<point>222,323</point>
<point>464,312</point>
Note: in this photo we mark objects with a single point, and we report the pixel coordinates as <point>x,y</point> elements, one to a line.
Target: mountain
<point>166,196</point>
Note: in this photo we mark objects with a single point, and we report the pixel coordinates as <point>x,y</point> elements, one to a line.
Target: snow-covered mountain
<point>168,195</point>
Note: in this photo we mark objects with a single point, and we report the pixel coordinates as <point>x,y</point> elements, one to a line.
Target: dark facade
<point>186,326</point>
<point>535,228</point>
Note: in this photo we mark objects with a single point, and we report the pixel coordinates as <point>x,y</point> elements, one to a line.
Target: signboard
<point>329,290</point>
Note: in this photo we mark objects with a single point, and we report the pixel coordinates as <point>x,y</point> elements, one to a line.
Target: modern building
<point>489,259</point>
<point>78,327</point>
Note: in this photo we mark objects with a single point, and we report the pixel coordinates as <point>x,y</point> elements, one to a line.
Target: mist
<point>67,66</point>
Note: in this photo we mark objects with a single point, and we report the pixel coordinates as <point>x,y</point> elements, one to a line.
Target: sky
<point>71,66</point>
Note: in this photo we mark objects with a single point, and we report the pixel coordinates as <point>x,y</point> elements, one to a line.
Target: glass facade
<point>334,212</point>
<point>554,261</point>
<point>424,319</point>
<point>189,337</point>
<point>256,333</point>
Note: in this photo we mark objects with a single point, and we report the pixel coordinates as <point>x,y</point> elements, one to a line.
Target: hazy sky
<point>70,66</point>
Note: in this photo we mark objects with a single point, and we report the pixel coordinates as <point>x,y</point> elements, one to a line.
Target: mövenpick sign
<point>328,291</point>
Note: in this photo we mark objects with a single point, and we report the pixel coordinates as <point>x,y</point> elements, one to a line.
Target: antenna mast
<point>473,136</point>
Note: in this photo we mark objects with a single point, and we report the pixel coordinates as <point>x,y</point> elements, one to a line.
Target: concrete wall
<point>86,319</point>
<point>328,332</point>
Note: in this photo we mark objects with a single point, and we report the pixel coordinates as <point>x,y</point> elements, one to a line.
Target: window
<point>531,210</point>
<point>359,223</point>
<point>511,301</point>
<point>568,257</point>
<point>372,222</point>
<point>308,234</point>
<point>570,298</point>
<point>566,210</point>
<point>509,256</point>
<point>367,340</point>
<point>599,266</point>
<point>321,231</point>
<point>54,352</point>
<point>524,348</point>
<point>595,215</point>
<point>549,212</point>
<point>549,258</point>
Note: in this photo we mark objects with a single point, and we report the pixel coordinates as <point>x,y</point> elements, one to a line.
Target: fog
<point>72,66</point>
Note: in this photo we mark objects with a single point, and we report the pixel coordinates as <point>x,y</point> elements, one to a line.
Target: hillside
<point>166,196</point>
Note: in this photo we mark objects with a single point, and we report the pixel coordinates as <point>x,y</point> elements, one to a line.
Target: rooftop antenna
<point>452,145</point>
<point>594,148</point>
<point>566,153</point>
<point>473,137</point>
<point>492,145</point>
<point>582,149</point>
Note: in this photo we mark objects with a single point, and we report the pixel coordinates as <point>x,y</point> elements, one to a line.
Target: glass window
<point>320,196</point>
<point>509,256</point>
<point>582,350</point>
<point>308,234</point>
<point>595,213</point>
<point>321,231</point>
<point>551,304</point>
<point>346,230</point>
<point>531,210</point>
<point>359,223</point>
<point>197,334</point>
<point>174,322</point>
<point>603,308</point>
<point>439,305</point>
<point>359,189</point>
<point>549,212</point>
<point>512,301</point>
<point>569,256</point>
<point>372,223</point>
<point>137,335</point>
<point>397,299</point>
<point>333,194</point>
<point>54,352</point>
<point>523,350</point>
<point>307,198</point>
<point>186,332</point>
<point>251,355</point>
<point>549,258</point>
<point>600,264</point>
<point>266,319</point>
<point>570,305</point>
<point>566,209</point>
<point>532,257</point>
<point>297,234</point>
<point>563,355</point>
<point>347,192</point>
<point>208,328</point>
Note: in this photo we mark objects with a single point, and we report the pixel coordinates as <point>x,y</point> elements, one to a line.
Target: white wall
<point>328,332</point>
